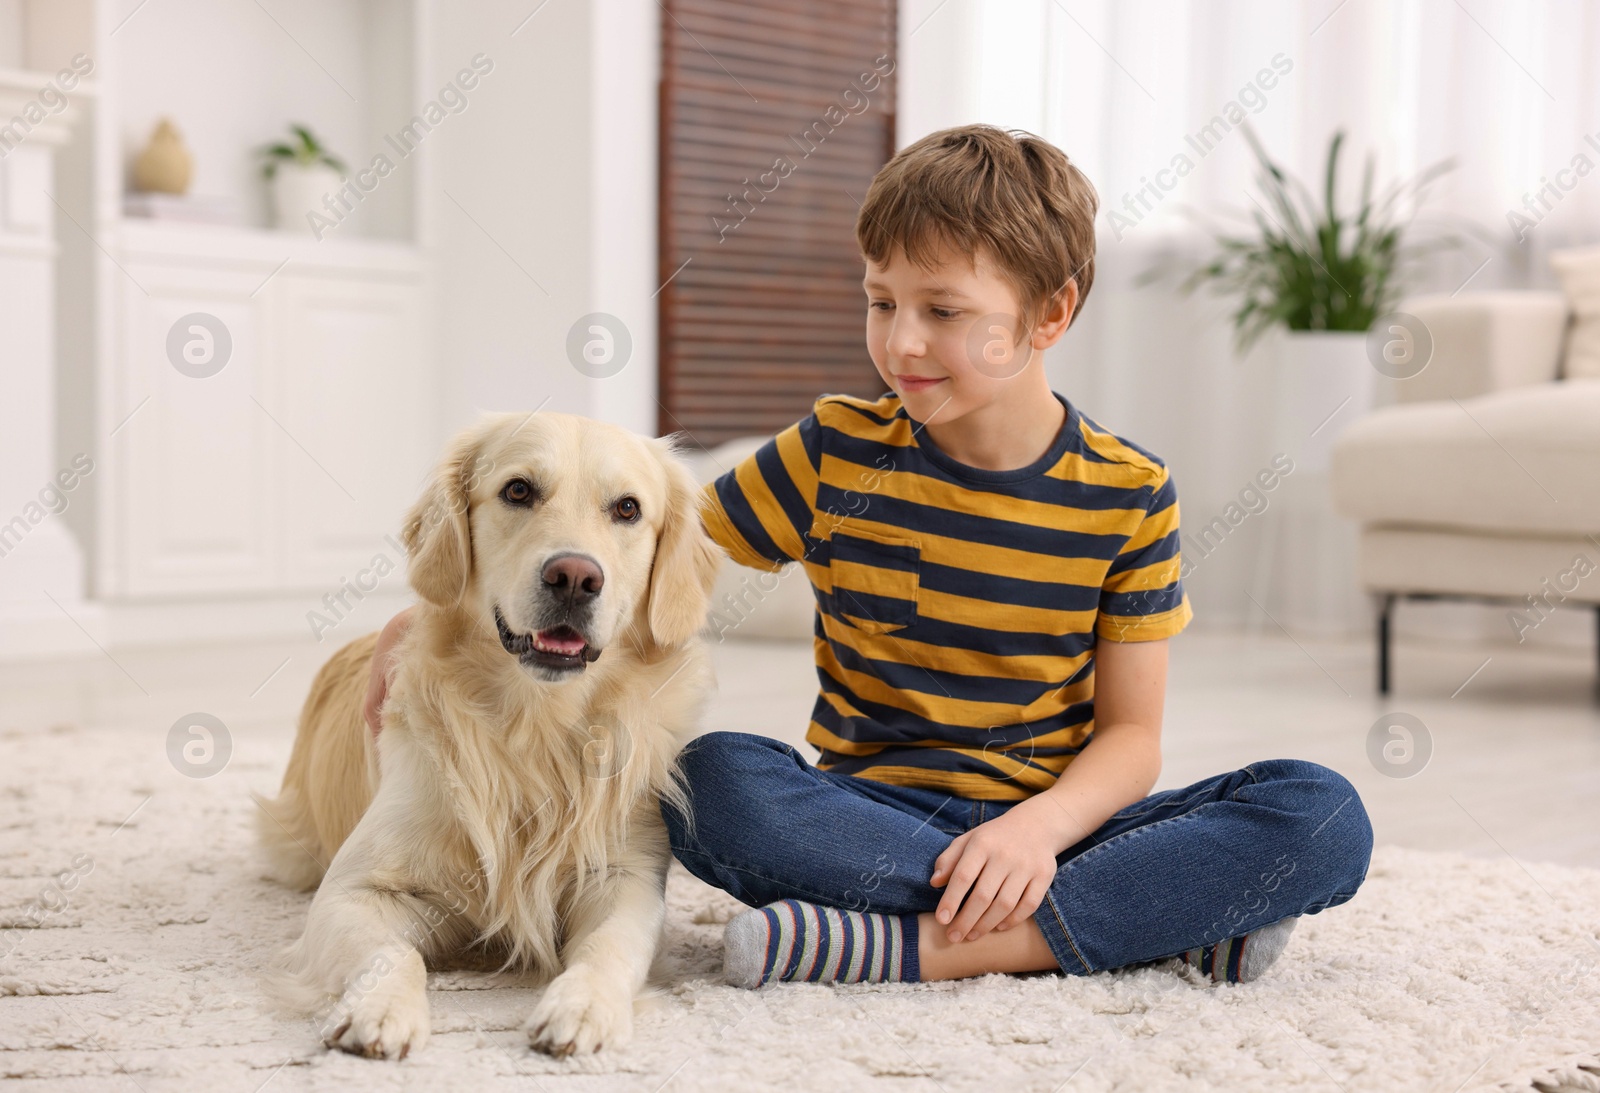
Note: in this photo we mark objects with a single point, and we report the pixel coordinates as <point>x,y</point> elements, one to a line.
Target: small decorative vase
<point>165,166</point>
<point>298,189</point>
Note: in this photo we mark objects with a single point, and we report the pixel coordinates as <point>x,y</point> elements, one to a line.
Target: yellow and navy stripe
<point>957,608</point>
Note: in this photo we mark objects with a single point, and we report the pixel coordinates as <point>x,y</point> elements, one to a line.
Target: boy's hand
<point>1007,865</point>
<point>382,667</point>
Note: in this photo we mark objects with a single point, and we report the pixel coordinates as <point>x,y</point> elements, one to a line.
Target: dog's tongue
<point>560,640</point>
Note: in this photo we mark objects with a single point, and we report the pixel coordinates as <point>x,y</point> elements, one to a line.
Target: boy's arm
<point>761,510</point>
<point>382,667</point>
<point>1121,763</point>
<point>1009,862</point>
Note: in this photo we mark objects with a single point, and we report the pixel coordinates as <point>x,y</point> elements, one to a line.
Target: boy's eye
<point>879,305</point>
<point>944,313</point>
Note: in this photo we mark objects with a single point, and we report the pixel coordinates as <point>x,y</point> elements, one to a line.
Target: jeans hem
<point>798,892</point>
<point>1059,938</point>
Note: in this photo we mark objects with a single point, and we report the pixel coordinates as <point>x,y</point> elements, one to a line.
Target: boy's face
<point>945,339</point>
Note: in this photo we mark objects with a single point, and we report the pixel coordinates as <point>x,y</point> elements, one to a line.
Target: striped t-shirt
<point>957,608</point>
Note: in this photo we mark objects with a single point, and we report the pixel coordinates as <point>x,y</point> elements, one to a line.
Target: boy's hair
<point>974,187</point>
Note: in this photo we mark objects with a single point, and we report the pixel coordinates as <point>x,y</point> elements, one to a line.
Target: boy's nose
<point>905,341</point>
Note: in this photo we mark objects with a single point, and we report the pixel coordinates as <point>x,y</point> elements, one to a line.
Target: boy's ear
<point>686,561</point>
<point>1058,315</point>
<point>438,531</point>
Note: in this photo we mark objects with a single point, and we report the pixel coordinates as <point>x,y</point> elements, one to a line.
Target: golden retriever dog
<point>535,710</point>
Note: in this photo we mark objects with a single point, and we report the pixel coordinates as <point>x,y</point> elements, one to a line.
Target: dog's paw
<point>579,1013</point>
<point>382,1016</point>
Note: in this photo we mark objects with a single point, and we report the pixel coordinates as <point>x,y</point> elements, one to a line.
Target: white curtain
<point>1509,91</point>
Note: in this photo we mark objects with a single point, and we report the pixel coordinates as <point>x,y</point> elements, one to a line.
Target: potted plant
<point>301,171</point>
<point>1319,276</point>
<point>1308,268</point>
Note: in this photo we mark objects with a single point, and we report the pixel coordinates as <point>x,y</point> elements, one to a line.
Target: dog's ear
<point>438,535</point>
<point>686,560</point>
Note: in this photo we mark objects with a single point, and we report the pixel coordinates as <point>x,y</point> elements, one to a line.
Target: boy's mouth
<point>918,383</point>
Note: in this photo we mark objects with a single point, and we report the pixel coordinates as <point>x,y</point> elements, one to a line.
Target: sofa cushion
<point>1486,341</point>
<point>1557,569</point>
<point>1525,460</point>
<point>1579,271</point>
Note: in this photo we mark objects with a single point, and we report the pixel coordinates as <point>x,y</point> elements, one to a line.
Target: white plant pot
<point>298,190</point>
<point>1325,382</point>
<point>1307,574</point>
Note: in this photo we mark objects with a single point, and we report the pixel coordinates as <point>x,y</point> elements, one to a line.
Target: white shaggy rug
<point>135,919</point>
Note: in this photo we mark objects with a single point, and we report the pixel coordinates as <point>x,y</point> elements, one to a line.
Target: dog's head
<point>559,533</point>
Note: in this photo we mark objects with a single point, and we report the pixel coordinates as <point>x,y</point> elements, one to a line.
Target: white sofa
<point>1483,482</point>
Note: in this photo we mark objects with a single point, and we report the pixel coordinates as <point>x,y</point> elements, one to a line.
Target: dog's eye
<point>626,510</point>
<point>518,491</point>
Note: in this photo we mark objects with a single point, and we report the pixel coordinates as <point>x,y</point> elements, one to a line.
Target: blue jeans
<point>1180,869</point>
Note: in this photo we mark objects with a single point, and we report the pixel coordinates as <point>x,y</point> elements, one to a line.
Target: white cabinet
<point>353,390</point>
<point>191,469</point>
<point>280,411</point>
<point>227,504</point>
<point>41,562</point>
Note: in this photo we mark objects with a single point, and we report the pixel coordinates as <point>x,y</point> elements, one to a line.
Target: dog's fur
<point>512,799</point>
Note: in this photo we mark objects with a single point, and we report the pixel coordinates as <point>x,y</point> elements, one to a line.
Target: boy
<point>996,578</point>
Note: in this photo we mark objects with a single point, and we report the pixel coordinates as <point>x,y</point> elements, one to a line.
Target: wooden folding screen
<point>775,114</point>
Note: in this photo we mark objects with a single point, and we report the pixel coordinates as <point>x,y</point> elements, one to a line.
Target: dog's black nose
<point>573,579</point>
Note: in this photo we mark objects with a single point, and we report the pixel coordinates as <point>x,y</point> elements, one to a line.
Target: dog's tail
<point>287,989</point>
<point>326,785</point>
<point>289,837</point>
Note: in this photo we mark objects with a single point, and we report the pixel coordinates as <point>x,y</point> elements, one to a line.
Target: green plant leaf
<point>1331,197</point>
<point>1303,265</point>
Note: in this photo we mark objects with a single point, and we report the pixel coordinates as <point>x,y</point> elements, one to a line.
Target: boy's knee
<point>721,772</point>
<point>728,745</point>
<point>1337,830</point>
<point>718,760</point>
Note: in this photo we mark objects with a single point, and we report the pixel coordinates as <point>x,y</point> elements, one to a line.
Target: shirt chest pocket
<point>875,576</point>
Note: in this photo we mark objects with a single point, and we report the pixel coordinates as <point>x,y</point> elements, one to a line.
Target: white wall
<point>543,209</point>
<point>626,57</point>
<point>11,34</point>
<point>340,68</point>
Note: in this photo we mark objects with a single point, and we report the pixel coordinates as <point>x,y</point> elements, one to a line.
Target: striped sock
<point>794,941</point>
<point>1243,958</point>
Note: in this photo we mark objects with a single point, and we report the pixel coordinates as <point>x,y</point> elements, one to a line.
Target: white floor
<point>1514,732</point>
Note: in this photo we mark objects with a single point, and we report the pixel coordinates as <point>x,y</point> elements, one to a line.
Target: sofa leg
<point>1386,606</point>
